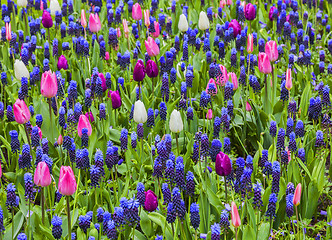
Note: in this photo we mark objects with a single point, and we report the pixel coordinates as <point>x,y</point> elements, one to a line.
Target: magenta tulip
<point>250,12</point>
<point>94,23</point>
<point>157,30</point>
<point>152,69</point>
<point>83,122</point>
<point>67,182</point>
<point>271,12</point>
<point>90,116</point>
<point>151,47</point>
<point>223,77</point>
<point>151,201</point>
<point>21,112</point>
<point>47,19</point>
<point>236,27</point>
<point>223,164</point>
<point>42,177</point>
<point>62,63</point>
<point>208,90</point>
<point>264,64</point>
<point>137,12</point>
<point>271,50</point>
<point>49,84</point>
<point>103,81</point>
<point>139,71</point>
<point>234,80</point>
<point>116,99</point>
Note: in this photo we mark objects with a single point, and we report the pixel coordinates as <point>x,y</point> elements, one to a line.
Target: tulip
<point>83,122</point>
<point>229,2</point>
<point>151,201</point>
<point>20,70</point>
<point>137,12</point>
<point>125,28</point>
<point>234,80</point>
<point>140,115</point>
<point>62,63</point>
<point>47,19</point>
<point>60,140</point>
<point>139,71</point>
<point>221,80</point>
<point>8,31</point>
<point>211,81</point>
<point>107,56</point>
<point>222,3</point>
<point>40,133</point>
<point>49,84</point>
<point>147,18</point>
<point>151,69</point>
<point>90,116</point>
<point>116,99</point>
<point>250,12</point>
<point>209,114</point>
<point>264,64</point>
<point>103,81</point>
<point>248,107</point>
<point>157,30</point>
<point>289,84</point>
<point>22,3</point>
<point>236,220</point>
<point>175,122</point>
<point>94,23</point>
<point>271,50</point>
<point>271,12</point>
<point>203,21</point>
<point>67,182</point>
<point>183,23</point>
<point>21,112</point>
<point>83,19</point>
<point>297,195</point>
<point>54,6</point>
<point>0,170</point>
<point>42,177</point>
<point>223,164</point>
<point>250,43</point>
<point>151,47</point>
<point>118,32</point>
<point>42,6</point>
<point>236,27</point>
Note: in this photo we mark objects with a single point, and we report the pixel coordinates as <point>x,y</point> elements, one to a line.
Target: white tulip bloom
<point>203,22</point>
<point>183,23</point>
<point>20,70</point>
<point>54,6</point>
<point>140,115</point>
<point>175,122</point>
<point>22,3</point>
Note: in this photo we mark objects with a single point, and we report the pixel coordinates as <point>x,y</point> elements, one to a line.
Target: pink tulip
<point>40,133</point>
<point>151,47</point>
<point>234,80</point>
<point>42,177</point>
<point>264,64</point>
<point>271,50</point>
<point>94,23</point>
<point>221,80</point>
<point>118,32</point>
<point>83,122</point>
<point>229,2</point>
<point>222,3</point>
<point>147,18</point>
<point>60,140</point>
<point>289,84</point>
<point>236,220</point>
<point>157,32</point>
<point>67,182</point>
<point>297,195</point>
<point>0,170</point>
<point>107,56</point>
<point>83,19</point>
<point>42,6</point>
<point>125,28</point>
<point>103,81</point>
<point>250,43</point>
<point>209,114</point>
<point>248,107</point>
<point>137,12</point>
<point>215,91</point>
<point>49,84</point>
<point>21,112</point>
<point>8,31</point>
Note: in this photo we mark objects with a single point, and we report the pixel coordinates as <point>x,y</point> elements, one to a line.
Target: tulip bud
<point>236,27</point>
<point>125,28</point>
<point>49,84</point>
<point>289,84</point>
<point>151,201</point>
<point>222,3</point>
<point>22,3</point>
<point>21,112</point>
<point>234,80</point>
<point>40,133</point>
<point>157,30</point>
<point>47,19</point>
<point>229,2</point>
<point>250,43</point>
<point>223,164</point>
<point>175,122</point>
<point>236,220</point>
<point>67,182</point>
<point>137,12</point>
<point>203,21</point>
<point>250,12</point>
<point>20,70</point>
<point>42,177</point>
<point>151,69</point>
<point>209,114</point>
<point>94,23</point>
<point>248,107</point>
<point>147,18</point>
<point>264,64</point>
<point>8,31</point>
<point>297,195</point>
<point>83,122</point>
<point>151,47</point>
<point>183,23</point>
<point>118,32</point>
<point>140,115</point>
<point>54,6</point>
<point>271,50</point>
<point>83,19</point>
<point>139,71</point>
<point>90,116</point>
<point>215,89</point>
<point>107,56</point>
<point>116,99</point>
<point>60,140</point>
<point>62,63</point>
<point>223,78</point>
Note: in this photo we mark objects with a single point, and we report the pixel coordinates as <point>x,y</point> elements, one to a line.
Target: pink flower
<point>215,89</point>
<point>236,220</point>
<point>118,32</point>
<point>60,140</point>
<point>103,81</point>
<point>137,12</point>
<point>94,23</point>
<point>221,80</point>
<point>125,27</point>
<point>147,18</point>
<point>42,177</point>
<point>222,3</point>
<point>297,195</point>
<point>107,56</point>
<point>234,80</point>
<point>151,201</point>
<point>8,31</point>
<point>83,122</point>
<point>209,114</point>
<point>67,182</point>
<point>21,112</point>
<point>157,32</point>
<point>264,64</point>
<point>229,2</point>
<point>83,19</point>
<point>250,43</point>
<point>271,50</point>
<point>248,107</point>
<point>151,47</point>
<point>223,164</point>
<point>289,84</point>
<point>0,170</point>
<point>40,133</point>
<point>49,84</point>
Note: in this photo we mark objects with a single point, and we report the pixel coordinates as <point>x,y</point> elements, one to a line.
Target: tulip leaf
<point>263,232</point>
<point>248,233</point>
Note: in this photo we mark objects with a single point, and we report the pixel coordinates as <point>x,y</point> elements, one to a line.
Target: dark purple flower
<point>116,99</point>
<point>139,71</point>
<point>236,27</point>
<point>223,164</point>
<point>62,63</point>
<point>47,19</point>
<point>151,201</point>
<point>151,69</point>
<point>250,12</point>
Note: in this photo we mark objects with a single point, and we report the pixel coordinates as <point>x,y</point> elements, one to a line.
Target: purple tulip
<point>47,19</point>
<point>271,12</point>
<point>115,98</point>
<point>151,201</point>
<point>89,115</point>
<point>236,27</point>
<point>223,164</point>
<point>250,12</point>
<point>151,69</point>
<point>62,63</point>
<point>139,71</point>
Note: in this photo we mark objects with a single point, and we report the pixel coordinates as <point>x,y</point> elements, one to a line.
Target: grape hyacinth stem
<point>69,219</point>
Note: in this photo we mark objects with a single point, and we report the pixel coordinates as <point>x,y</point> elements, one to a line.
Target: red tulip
<point>271,50</point>
<point>137,12</point>
<point>222,3</point>
<point>297,195</point>
<point>60,140</point>
<point>21,112</point>
<point>229,2</point>
<point>42,177</point>
<point>151,201</point>
<point>107,56</point>
<point>118,32</point>
<point>157,32</point>
<point>83,122</point>
<point>264,64</point>
<point>49,84</point>
<point>94,23</point>
<point>236,220</point>
<point>151,47</point>
<point>289,84</point>
<point>83,19</point>
<point>221,80</point>
<point>223,164</point>
<point>250,43</point>
<point>67,182</point>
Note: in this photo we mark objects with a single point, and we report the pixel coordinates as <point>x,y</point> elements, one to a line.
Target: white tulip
<point>54,6</point>
<point>203,22</point>
<point>183,23</point>
<point>175,122</point>
<point>22,3</point>
<point>140,115</point>
<point>20,70</point>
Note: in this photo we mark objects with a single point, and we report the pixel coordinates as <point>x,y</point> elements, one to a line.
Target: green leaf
<point>18,223</point>
<point>248,232</point>
<point>161,221</point>
<point>263,232</point>
<point>146,224</point>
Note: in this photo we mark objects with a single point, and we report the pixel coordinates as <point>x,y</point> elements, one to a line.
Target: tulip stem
<point>235,233</point>
<point>297,222</point>
<point>13,220</point>
<point>14,18</point>
<point>25,22</point>
<point>69,219</point>
<point>225,188</point>
<point>42,204</point>
<point>28,137</point>
<point>177,143</point>
<point>49,35</point>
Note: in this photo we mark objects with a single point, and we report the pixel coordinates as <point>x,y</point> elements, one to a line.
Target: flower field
<point>161,119</point>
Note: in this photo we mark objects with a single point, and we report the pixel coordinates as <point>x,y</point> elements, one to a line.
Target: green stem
<point>225,188</point>
<point>28,137</point>
<point>13,217</point>
<point>177,143</point>
<point>42,201</point>
<point>297,222</point>
<point>69,219</point>
<point>26,23</point>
